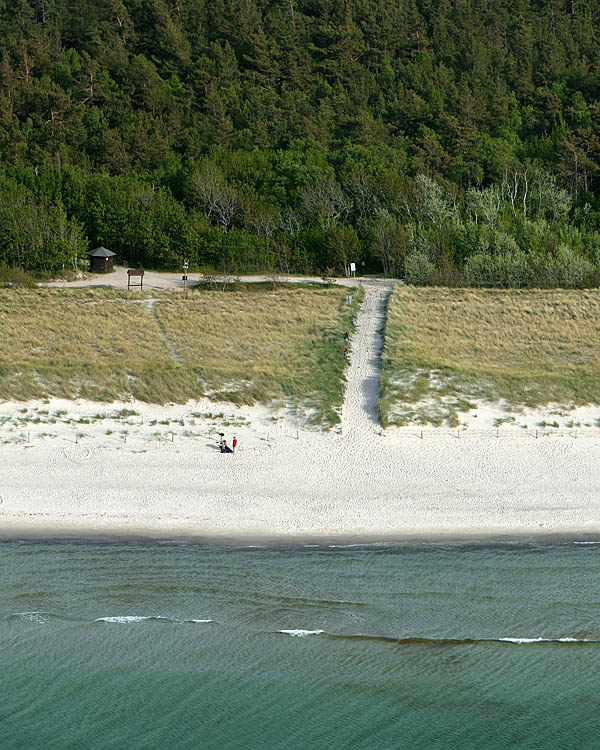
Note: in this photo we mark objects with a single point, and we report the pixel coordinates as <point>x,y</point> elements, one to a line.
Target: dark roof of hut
<point>101,252</point>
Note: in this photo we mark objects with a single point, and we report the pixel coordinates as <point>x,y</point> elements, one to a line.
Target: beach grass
<point>446,349</point>
<point>262,344</point>
<point>281,345</point>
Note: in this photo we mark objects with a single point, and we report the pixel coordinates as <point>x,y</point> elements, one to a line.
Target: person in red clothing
<point>234,443</point>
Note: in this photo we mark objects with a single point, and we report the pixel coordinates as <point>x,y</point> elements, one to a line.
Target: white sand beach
<point>85,469</point>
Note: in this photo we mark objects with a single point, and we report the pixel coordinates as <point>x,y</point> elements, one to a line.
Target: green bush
<point>569,270</point>
<point>418,269</point>
<point>16,277</point>
<point>510,269</point>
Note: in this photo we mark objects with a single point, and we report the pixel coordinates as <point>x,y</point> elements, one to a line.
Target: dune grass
<point>446,348</point>
<point>265,344</point>
<point>75,343</point>
<point>246,346</point>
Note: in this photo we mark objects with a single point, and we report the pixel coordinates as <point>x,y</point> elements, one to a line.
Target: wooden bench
<point>135,272</point>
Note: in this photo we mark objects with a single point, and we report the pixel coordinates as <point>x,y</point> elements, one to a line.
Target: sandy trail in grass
<point>85,469</point>
<point>359,413</point>
<point>157,280</point>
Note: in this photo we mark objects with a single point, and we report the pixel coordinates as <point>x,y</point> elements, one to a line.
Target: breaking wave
<point>126,619</point>
<point>417,640</point>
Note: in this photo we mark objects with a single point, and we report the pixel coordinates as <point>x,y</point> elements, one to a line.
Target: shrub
<point>510,269</point>
<point>570,270</point>
<point>419,269</point>
<point>16,277</point>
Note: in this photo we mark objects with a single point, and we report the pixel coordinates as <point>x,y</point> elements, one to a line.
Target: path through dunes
<point>359,412</point>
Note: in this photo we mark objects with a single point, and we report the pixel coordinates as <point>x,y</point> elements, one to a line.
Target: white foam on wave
<point>572,640</point>
<point>35,617</point>
<point>362,544</point>
<point>122,619</point>
<point>298,633</point>
<point>544,640</point>
<point>587,542</point>
<point>126,619</point>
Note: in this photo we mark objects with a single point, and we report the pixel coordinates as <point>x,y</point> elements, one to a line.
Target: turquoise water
<point>172,646</point>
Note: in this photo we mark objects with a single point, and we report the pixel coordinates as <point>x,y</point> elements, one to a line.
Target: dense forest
<point>446,141</point>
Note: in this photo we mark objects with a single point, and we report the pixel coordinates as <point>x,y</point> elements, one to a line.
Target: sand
<point>166,280</point>
<point>85,470</point>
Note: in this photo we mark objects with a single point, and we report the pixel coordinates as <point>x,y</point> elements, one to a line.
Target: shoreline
<point>343,541</point>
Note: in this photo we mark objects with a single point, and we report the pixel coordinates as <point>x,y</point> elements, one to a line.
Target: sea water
<point>407,646</point>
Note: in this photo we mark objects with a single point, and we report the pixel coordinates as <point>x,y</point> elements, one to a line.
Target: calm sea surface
<point>417,646</point>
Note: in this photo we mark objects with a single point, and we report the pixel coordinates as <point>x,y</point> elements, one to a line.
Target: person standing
<point>234,443</point>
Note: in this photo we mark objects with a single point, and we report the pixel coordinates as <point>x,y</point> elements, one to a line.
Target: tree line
<point>444,142</point>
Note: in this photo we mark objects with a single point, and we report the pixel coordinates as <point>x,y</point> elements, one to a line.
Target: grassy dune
<point>444,348</point>
<point>260,345</point>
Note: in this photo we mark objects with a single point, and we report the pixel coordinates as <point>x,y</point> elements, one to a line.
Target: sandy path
<point>155,280</point>
<point>359,412</point>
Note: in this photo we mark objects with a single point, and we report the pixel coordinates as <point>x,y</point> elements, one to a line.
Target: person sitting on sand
<point>225,448</point>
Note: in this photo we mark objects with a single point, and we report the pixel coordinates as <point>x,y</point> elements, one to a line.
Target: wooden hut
<point>101,260</point>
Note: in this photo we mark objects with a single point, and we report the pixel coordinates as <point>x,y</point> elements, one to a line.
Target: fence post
<point>497,433</point>
<point>536,434</point>
<point>172,436</point>
<point>421,434</point>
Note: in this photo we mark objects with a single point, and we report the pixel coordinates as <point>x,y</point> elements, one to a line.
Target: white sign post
<point>353,269</point>
<point>184,278</point>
